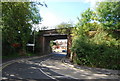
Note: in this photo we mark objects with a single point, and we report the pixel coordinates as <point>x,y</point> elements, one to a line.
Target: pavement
<point>94,70</point>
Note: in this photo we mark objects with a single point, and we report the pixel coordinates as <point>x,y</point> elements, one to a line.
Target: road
<point>50,68</point>
<point>30,69</point>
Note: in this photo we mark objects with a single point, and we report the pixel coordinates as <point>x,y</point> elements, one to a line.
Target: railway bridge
<point>45,36</point>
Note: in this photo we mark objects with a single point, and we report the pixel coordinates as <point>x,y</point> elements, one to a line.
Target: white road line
<point>59,73</point>
<point>48,75</point>
<point>13,61</point>
<point>65,75</point>
<point>7,64</point>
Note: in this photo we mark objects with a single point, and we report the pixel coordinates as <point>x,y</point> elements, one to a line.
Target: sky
<point>59,11</point>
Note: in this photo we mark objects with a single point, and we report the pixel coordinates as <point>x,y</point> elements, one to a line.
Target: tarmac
<point>63,66</point>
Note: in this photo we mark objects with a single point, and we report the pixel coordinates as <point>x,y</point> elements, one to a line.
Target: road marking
<point>48,75</point>
<point>56,72</point>
<point>13,61</point>
<point>65,75</point>
<point>7,63</point>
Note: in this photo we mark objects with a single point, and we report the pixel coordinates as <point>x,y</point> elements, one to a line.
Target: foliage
<point>101,48</point>
<point>17,19</point>
<point>97,51</point>
<point>84,25</point>
<point>109,14</point>
<point>52,43</point>
<point>64,28</point>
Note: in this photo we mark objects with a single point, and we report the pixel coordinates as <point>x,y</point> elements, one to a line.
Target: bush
<point>101,51</point>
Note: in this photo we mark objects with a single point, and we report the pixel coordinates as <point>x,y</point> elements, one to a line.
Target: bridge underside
<point>55,36</point>
<point>45,42</point>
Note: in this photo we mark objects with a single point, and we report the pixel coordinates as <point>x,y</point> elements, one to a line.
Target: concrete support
<point>43,45</point>
<point>46,49</point>
<point>69,45</point>
<point>40,45</point>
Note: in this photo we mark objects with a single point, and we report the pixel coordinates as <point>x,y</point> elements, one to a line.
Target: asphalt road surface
<point>48,68</point>
<point>31,69</point>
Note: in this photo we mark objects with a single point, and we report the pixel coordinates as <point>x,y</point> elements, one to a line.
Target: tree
<point>102,47</point>
<point>86,23</point>
<point>65,28</point>
<point>109,14</point>
<point>18,18</point>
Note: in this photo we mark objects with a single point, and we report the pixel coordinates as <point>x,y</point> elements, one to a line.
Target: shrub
<point>101,51</point>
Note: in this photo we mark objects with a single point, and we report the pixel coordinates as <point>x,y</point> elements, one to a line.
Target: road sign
<point>30,44</point>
